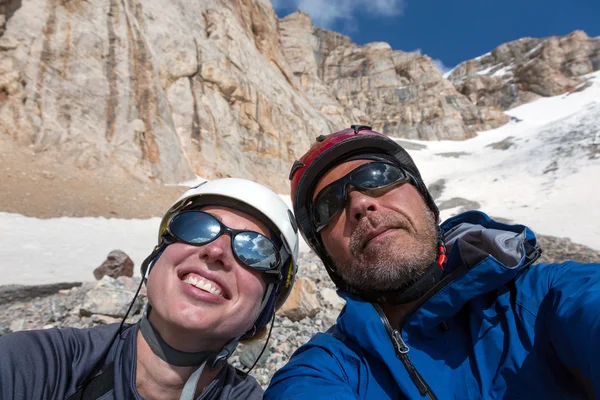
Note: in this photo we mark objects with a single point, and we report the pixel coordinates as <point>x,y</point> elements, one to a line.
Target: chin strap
<point>415,290</point>
<point>186,359</point>
<point>166,352</point>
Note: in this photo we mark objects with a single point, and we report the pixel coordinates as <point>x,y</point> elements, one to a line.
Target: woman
<point>225,261</point>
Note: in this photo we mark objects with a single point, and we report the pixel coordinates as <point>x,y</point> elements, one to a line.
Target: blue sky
<point>448,31</point>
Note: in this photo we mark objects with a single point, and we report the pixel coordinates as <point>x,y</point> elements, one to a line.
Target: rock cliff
<point>152,92</point>
<point>521,71</point>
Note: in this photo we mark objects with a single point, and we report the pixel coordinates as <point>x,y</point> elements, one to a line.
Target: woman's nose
<point>217,252</point>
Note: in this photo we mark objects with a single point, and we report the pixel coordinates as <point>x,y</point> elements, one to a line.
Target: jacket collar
<point>483,255</point>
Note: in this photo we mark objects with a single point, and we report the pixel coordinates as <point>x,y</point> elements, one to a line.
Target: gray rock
<point>504,144</point>
<point>248,354</point>
<point>14,293</point>
<point>457,202</point>
<point>437,188</point>
<point>111,298</point>
<point>453,154</point>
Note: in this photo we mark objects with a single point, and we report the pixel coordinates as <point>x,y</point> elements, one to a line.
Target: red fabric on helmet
<point>329,151</point>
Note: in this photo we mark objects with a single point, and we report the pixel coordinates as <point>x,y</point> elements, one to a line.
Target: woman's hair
<point>260,334</point>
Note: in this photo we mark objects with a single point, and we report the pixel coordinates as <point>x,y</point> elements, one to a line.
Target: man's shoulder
<point>332,345</point>
<point>328,363</point>
<point>544,273</point>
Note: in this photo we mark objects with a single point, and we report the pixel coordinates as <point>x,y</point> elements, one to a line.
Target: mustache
<point>359,238</point>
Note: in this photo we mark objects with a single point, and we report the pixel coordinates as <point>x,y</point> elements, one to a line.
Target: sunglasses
<point>332,199</point>
<point>252,249</point>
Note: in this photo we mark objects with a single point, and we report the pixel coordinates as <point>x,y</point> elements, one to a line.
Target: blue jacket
<point>494,327</point>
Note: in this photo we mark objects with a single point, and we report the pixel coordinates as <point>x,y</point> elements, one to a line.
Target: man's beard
<point>398,261</point>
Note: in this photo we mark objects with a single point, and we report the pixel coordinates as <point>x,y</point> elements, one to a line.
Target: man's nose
<point>360,204</point>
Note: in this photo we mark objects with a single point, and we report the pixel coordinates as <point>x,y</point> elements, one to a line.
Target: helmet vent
<point>358,128</point>
<point>293,221</point>
<point>297,164</point>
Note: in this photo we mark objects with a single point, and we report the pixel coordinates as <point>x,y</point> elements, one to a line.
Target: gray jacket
<point>55,363</point>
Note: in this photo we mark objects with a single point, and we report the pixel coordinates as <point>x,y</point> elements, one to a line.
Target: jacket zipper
<point>395,335</point>
<point>402,353</point>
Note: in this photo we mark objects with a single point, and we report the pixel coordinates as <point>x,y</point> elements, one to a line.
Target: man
<point>452,311</point>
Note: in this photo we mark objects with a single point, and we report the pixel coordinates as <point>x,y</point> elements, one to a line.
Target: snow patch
<point>546,178</point>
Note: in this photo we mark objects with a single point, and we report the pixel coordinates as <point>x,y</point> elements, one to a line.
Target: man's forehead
<point>337,172</point>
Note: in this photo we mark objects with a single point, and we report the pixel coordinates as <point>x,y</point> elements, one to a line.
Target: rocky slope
<point>521,71</point>
<point>312,307</point>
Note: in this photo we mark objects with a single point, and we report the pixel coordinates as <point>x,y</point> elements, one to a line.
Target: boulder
<point>302,302</point>
<point>111,298</point>
<point>117,264</point>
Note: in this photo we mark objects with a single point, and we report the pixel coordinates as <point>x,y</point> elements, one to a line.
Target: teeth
<point>203,284</point>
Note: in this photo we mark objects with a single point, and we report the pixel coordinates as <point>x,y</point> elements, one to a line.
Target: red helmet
<point>328,151</point>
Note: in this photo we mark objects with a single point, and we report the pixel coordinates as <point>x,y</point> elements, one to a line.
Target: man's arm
<point>571,313</point>
<point>314,373</point>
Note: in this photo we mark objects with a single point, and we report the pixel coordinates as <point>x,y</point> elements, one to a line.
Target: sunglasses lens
<point>376,175</point>
<point>194,227</point>
<point>328,203</point>
<point>255,250</point>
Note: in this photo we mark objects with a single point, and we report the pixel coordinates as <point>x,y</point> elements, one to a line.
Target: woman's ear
<point>256,337</point>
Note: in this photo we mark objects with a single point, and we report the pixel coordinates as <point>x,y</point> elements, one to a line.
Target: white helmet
<point>254,199</point>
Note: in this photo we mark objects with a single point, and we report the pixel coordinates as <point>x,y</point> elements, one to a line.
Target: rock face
<point>216,88</point>
<point>149,91</point>
<point>398,93</point>
<point>526,69</point>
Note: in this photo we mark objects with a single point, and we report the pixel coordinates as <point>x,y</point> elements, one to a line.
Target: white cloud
<point>439,64</point>
<point>325,13</point>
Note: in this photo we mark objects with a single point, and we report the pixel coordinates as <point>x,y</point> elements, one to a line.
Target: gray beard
<point>388,267</point>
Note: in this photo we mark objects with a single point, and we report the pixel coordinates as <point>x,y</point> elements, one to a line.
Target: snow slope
<point>547,177</point>
<point>542,169</point>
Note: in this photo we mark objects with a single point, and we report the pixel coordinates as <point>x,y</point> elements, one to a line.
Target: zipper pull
<point>401,347</point>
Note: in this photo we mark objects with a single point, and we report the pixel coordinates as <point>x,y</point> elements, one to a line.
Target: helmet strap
<point>413,291</point>
<point>166,352</point>
<point>263,304</point>
<point>185,359</point>
<point>264,346</point>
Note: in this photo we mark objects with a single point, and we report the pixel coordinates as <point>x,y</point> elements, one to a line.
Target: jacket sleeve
<point>51,363</point>
<point>572,317</point>
<point>313,373</point>
<point>29,365</point>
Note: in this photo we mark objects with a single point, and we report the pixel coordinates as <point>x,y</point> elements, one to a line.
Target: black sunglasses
<point>374,175</point>
<point>252,249</point>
